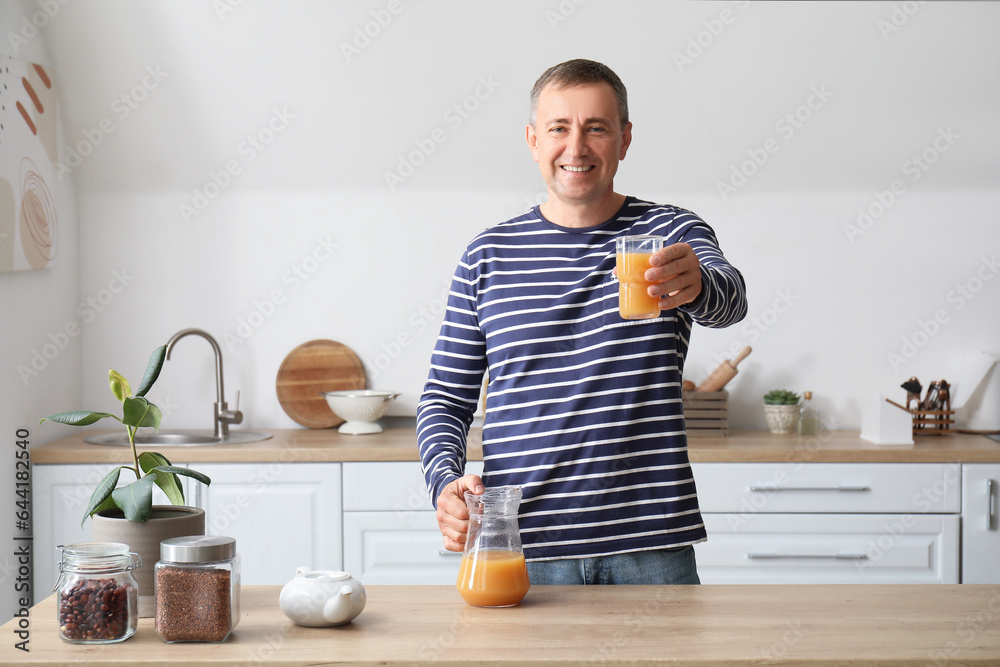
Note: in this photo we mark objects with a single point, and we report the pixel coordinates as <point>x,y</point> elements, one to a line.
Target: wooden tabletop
<point>584,625</point>
<point>400,444</point>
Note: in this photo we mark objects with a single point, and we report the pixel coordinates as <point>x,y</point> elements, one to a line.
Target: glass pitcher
<point>493,572</point>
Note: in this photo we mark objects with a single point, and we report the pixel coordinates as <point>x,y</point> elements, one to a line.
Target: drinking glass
<point>632,254</point>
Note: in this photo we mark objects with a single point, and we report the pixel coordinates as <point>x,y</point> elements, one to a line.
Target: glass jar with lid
<point>197,589</point>
<point>98,598</point>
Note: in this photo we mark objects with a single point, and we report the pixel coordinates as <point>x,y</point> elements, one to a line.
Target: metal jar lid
<point>197,549</point>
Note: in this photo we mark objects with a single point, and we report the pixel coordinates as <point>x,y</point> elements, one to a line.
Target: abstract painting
<point>28,144</point>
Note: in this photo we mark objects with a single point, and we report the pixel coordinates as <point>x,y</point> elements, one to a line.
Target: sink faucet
<point>223,416</point>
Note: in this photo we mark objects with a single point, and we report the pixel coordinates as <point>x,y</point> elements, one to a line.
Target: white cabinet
<point>767,522</point>
<point>829,548</point>
<point>282,515</point>
<point>390,530</point>
<point>60,495</point>
<point>981,524</point>
<point>829,523</point>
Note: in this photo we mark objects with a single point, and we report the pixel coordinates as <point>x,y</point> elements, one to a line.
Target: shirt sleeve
<point>723,299</point>
<point>451,393</point>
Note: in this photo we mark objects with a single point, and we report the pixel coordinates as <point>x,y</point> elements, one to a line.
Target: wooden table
<point>584,625</point>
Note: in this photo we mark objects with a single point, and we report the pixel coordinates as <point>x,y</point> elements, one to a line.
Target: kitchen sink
<point>179,438</point>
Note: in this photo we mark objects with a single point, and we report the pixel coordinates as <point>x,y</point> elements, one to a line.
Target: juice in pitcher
<point>493,572</point>
<point>493,579</point>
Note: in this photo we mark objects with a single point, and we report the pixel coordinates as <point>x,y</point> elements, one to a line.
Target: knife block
<point>706,413</point>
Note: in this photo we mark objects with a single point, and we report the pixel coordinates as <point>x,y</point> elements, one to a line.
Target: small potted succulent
<point>126,513</point>
<point>781,409</point>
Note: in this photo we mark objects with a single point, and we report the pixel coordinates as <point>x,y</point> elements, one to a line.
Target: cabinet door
<point>981,524</point>
<point>397,548</point>
<point>282,515</point>
<point>834,488</point>
<point>390,529</point>
<point>829,549</point>
<point>60,495</point>
<point>390,485</point>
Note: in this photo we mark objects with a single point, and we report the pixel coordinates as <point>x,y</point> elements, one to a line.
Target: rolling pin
<point>724,373</point>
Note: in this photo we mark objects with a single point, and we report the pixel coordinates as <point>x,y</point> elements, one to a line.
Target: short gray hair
<point>574,73</point>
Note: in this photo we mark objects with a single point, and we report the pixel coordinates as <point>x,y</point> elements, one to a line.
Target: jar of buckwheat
<point>197,589</point>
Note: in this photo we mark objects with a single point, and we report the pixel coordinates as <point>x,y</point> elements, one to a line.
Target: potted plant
<point>126,513</point>
<point>781,409</point>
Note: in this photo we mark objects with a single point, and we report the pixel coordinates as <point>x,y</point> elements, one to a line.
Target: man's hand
<point>452,512</point>
<point>675,273</point>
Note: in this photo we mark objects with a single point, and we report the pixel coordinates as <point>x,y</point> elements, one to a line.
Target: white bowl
<point>359,408</point>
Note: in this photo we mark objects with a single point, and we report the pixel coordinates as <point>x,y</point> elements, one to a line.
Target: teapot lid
<point>321,575</point>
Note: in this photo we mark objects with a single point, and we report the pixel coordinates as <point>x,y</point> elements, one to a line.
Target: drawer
<point>751,488</point>
<point>832,548</point>
<point>392,485</point>
<point>397,548</point>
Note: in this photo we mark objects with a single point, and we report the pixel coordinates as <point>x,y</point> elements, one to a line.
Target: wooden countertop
<point>581,625</point>
<point>400,444</point>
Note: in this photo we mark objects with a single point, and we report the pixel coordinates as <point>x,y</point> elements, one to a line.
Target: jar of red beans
<point>98,598</point>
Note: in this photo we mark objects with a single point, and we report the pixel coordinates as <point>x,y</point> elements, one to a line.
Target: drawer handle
<point>989,504</point>
<point>445,552</point>
<point>836,556</point>
<point>767,488</point>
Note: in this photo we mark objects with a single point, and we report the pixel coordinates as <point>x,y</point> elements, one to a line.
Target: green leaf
<point>99,499</point>
<point>171,486</point>
<point>78,417</point>
<point>187,472</point>
<point>152,370</point>
<point>136,499</point>
<point>140,412</point>
<point>108,503</point>
<point>119,385</point>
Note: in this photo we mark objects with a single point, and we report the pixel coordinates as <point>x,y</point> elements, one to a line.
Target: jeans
<point>662,566</point>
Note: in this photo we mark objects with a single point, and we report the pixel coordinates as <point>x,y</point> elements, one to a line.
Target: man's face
<point>577,141</point>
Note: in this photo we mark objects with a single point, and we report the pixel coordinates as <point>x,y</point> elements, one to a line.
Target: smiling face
<point>577,141</point>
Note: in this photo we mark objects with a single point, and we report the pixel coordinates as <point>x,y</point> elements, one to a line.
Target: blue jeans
<point>662,566</point>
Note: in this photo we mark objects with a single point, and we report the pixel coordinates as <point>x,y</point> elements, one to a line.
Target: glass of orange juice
<point>493,572</point>
<point>632,255</point>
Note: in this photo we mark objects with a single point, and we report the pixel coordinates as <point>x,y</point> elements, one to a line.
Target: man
<point>584,408</point>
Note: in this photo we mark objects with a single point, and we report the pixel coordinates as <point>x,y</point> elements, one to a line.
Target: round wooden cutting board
<point>319,365</point>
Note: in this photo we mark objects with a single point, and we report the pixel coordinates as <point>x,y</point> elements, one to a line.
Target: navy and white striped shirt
<point>584,408</point>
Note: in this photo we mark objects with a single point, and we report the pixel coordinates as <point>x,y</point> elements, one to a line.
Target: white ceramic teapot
<point>321,598</point>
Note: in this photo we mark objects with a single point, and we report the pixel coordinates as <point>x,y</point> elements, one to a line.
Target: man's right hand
<point>452,512</point>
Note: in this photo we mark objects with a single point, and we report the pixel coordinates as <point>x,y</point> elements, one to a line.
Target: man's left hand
<point>675,275</point>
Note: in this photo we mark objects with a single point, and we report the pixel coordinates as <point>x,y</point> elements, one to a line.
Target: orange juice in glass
<point>632,255</point>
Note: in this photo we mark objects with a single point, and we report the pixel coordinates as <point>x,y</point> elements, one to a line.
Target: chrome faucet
<point>223,416</point>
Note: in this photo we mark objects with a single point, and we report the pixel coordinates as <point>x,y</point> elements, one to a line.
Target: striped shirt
<point>583,408</point>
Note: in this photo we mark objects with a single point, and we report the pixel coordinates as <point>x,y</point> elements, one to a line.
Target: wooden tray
<point>706,413</point>
<point>319,365</point>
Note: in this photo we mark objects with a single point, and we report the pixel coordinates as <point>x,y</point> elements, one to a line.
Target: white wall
<point>163,97</point>
<point>334,110</point>
<point>39,361</point>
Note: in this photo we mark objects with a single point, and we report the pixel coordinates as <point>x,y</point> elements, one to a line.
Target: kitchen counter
<point>400,444</point>
<point>578,625</point>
